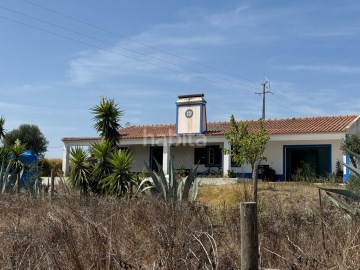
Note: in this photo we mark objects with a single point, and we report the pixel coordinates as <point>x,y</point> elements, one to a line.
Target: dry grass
<point>145,233</point>
<point>231,195</point>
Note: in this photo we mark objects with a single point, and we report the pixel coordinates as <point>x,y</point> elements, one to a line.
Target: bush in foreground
<point>146,233</point>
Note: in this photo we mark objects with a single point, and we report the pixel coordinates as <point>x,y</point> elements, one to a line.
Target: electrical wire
<point>108,43</point>
<point>130,50</point>
<point>136,41</point>
<point>289,99</point>
<point>271,99</point>
<point>117,53</point>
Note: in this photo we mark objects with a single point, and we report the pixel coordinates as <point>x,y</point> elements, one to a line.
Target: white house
<point>313,140</point>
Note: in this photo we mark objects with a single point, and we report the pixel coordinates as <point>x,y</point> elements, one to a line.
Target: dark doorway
<point>156,152</point>
<point>307,161</point>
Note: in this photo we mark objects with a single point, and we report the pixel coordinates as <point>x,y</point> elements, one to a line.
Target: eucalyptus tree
<point>247,147</point>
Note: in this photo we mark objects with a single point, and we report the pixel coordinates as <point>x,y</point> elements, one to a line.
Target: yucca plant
<point>106,116</point>
<point>100,154</point>
<point>170,189</point>
<point>118,181</point>
<point>14,171</point>
<point>2,128</point>
<point>17,168</point>
<point>80,169</point>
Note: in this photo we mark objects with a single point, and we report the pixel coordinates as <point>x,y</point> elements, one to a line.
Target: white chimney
<point>191,114</point>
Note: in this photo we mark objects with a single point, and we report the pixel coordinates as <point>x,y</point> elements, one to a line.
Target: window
<point>200,156</point>
<point>211,156</point>
<point>214,157</point>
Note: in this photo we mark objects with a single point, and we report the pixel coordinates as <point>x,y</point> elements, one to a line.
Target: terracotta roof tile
<point>80,138</point>
<point>324,124</point>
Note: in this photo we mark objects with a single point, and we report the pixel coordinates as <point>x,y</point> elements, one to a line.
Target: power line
<point>113,52</point>
<point>130,50</point>
<point>289,99</point>
<point>135,41</point>
<point>281,105</point>
<point>108,43</point>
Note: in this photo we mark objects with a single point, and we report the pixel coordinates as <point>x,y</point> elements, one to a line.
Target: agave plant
<point>170,189</point>
<point>341,197</point>
<point>352,168</point>
<point>5,167</point>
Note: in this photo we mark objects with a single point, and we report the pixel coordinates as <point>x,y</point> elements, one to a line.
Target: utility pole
<point>265,85</point>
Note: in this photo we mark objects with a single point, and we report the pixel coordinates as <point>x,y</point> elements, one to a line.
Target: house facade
<point>314,141</point>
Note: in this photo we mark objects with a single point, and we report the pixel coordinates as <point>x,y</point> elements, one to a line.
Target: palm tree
<point>107,116</point>
<point>118,181</point>
<point>80,169</point>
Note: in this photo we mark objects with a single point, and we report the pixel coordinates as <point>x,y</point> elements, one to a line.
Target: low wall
<point>47,180</point>
<point>220,181</point>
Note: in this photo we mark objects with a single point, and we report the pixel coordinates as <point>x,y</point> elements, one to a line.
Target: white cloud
<point>12,106</point>
<point>331,68</point>
<point>232,18</point>
<point>321,33</point>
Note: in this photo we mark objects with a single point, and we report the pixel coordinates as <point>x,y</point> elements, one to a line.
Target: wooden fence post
<point>52,183</point>
<point>249,236</point>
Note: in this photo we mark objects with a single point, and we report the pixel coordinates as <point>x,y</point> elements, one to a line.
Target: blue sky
<point>59,57</point>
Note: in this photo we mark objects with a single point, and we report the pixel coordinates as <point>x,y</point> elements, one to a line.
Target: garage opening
<point>306,161</point>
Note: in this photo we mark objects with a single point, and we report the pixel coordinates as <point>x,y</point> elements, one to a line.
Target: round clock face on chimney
<point>189,113</point>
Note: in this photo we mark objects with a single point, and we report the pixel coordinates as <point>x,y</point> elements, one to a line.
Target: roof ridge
<point>148,125</point>
<point>251,120</point>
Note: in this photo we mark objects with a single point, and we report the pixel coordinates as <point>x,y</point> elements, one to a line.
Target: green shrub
<point>231,174</point>
<point>47,164</point>
<point>354,184</point>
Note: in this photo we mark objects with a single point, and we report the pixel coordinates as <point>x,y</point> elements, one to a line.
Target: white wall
<point>192,124</point>
<point>355,127</point>
<point>140,153</point>
<point>183,154</point>
<point>275,154</point>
